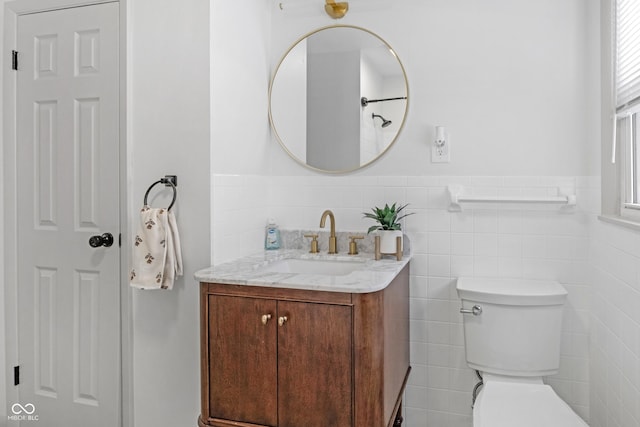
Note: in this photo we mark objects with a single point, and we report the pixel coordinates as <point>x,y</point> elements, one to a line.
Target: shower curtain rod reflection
<point>364,101</point>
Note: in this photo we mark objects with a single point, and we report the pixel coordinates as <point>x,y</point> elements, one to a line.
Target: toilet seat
<point>509,404</point>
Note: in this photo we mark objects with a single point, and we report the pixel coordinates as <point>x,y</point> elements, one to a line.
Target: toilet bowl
<point>523,404</point>
<point>512,336</point>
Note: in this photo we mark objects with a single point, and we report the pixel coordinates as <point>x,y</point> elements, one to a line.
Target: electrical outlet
<point>441,153</point>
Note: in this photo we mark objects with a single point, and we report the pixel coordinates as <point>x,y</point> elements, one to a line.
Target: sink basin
<point>310,266</point>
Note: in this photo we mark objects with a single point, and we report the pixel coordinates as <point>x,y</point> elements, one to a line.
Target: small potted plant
<point>388,225</point>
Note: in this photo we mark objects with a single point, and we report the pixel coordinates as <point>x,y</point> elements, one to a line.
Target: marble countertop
<point>251,271</point>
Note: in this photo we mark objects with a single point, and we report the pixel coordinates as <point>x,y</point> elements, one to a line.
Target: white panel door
<point>68,180</point>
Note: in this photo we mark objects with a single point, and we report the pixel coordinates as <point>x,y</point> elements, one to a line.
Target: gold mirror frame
<point>382,152</point>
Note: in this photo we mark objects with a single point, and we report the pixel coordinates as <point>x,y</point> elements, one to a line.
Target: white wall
<point>240,136</point>
<point>168,128</point>
<point>240,57</point>
<point>512,81</point>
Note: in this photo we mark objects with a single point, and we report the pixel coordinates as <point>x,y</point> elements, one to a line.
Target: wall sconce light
<point>440,152</point>
<point>336,10</point>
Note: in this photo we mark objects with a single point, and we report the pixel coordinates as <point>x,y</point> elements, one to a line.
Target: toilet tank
<point>518,330</point>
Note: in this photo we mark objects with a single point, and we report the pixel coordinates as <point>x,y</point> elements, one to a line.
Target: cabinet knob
<point>265,318</point>
<point>282,320</point>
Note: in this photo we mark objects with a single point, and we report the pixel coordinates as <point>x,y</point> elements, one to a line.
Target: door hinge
<point>120,239</point>
<point>16,375</point>
<point>14,60</point>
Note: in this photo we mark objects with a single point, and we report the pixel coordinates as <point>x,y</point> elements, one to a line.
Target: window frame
<point>627,139</point>
<point>628,143</point>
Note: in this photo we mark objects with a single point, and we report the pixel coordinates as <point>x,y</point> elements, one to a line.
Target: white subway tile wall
<point>510,240</point>
<point>240,208</point>
<point>615,327</point>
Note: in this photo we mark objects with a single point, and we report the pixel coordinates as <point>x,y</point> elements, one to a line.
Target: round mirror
<point>338,99</point>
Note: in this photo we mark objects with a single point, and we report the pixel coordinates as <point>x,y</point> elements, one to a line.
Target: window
<point>627,92</point>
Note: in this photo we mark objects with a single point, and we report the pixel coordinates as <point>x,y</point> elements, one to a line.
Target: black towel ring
<point>166,181</point>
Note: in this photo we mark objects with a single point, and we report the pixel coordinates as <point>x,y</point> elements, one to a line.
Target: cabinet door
<point>314,365</point>
<point>242,360</point>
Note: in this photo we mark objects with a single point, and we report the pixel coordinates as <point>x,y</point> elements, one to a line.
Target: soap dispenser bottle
<point>272,235</point>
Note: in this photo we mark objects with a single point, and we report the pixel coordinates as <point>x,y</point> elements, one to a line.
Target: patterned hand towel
<point>157,257</point>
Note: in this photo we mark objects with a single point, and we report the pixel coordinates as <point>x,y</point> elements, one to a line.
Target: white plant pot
<point>388,241</point>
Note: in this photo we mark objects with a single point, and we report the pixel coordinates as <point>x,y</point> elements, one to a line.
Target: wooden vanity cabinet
<point>293,358</point>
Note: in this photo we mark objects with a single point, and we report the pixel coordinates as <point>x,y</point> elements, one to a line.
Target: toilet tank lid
<point>509,291</point>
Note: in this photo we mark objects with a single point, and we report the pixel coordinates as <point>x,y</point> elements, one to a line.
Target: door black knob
<point>105,240</point>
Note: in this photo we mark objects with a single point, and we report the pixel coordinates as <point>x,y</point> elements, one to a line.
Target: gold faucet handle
<point>314,243</point>
<point>353,246</point>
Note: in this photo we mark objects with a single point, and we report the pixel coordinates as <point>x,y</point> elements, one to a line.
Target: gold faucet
<point>332,237</point>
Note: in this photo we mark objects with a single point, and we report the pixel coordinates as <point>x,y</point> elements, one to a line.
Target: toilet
<point>512,330</point>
